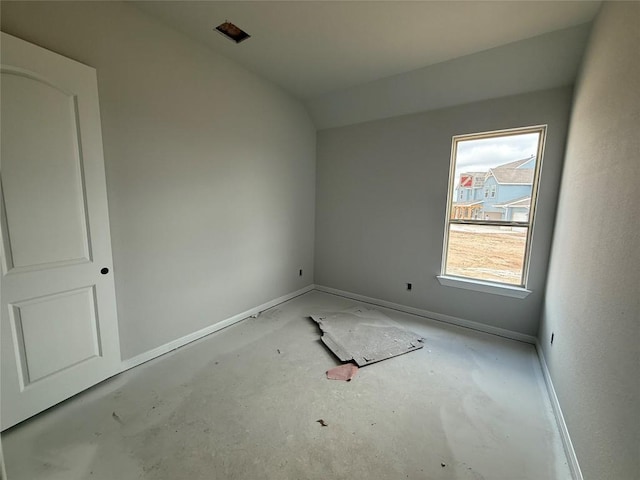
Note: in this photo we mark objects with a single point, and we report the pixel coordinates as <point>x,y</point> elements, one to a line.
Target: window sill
<point>486,287</point>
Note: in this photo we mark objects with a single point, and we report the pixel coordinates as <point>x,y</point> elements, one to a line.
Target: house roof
<point>514,164</point>
<point>506,173</point>
<point>512,175</point>
<point>522,202</point>
<point>467,204</point>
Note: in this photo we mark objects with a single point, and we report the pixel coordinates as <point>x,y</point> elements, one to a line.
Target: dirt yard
<point>487,253</point>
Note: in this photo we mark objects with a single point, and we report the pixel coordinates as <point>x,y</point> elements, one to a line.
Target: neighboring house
<point>469,195</point>
<point>502,193</point>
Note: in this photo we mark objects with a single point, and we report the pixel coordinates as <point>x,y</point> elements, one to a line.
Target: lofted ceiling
<point>311,48</point>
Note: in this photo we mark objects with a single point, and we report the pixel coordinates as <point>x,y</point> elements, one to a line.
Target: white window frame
<point>489,286</point>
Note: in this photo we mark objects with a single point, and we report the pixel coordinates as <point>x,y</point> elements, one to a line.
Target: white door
<point>59,332</point>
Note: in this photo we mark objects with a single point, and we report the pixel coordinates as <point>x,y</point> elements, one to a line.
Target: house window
<point>494,247</point>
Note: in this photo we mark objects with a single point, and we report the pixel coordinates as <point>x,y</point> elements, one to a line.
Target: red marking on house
<point>466,180</point>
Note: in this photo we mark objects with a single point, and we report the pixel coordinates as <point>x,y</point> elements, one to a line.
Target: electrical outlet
<point>409,286</point>
<point>552,335</point>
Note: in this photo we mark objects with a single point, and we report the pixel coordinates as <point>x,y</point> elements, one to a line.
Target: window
<point>491,243</point>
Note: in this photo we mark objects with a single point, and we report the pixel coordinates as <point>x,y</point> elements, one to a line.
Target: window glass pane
<point>487,252</point>
<point>494,177</point>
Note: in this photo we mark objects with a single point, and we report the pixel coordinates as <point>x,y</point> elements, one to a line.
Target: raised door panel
<point>41,174</point>
<point>53,333</point>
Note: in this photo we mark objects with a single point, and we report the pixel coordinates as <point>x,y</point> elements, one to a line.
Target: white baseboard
<point>167,347</point>
<point>557,411</point>
<point>501,332</point>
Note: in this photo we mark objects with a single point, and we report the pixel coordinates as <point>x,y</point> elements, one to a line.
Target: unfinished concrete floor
<point>243,403</point>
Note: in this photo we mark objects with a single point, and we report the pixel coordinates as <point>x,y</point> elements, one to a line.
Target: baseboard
<point>167,347</point>
<point>557,411</point>
<point>501,332</point>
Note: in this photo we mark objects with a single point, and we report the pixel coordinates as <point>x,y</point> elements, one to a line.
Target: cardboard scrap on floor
<point>365,336</point>
<point>343,372</point>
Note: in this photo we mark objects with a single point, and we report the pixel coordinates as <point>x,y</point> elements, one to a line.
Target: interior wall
<point>592,303</point>
<point>210,170</point>
<point>547,61</point>
<point>381,196</point>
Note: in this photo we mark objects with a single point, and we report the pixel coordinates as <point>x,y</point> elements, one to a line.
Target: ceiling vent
<point>232,32</point>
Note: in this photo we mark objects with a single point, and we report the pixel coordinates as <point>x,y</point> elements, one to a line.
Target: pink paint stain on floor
<point>343,372</point>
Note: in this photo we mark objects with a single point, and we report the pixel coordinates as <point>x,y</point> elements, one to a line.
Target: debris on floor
<point>322,423</point>
<point>365,336</point>
<point>343,372</point>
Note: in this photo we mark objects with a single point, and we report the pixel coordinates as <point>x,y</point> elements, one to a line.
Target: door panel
<point>40,327</point>
<point>58,323</point>
<point>45,213</point>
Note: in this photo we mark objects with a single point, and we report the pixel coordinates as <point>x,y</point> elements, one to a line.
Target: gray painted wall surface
<point>210,170</point>
<point>539,63</point>
<point>593,291</point>
<point>381,196</point>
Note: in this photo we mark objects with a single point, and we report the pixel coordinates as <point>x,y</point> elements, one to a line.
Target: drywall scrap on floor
<point>365,336</point>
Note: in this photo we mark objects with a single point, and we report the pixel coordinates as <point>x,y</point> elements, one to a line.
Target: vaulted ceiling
<point>311,48</point>
<point>355,61</point>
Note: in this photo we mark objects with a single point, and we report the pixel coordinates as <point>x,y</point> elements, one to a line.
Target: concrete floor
<point>230,406</point>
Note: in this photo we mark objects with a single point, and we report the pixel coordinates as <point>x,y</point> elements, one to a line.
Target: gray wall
<point>592,302</point>
<point>210,170</point>
<point>539,63</point>
<point>381,196</point>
